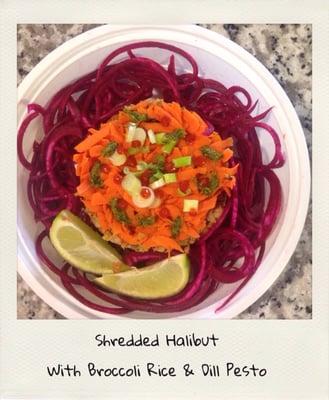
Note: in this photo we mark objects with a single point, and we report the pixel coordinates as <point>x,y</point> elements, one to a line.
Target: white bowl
<point>218,58</point>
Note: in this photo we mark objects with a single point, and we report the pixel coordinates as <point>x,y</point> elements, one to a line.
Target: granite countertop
<point>286,51</point>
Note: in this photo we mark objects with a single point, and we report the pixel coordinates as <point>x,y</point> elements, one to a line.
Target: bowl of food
<point>162,173</point>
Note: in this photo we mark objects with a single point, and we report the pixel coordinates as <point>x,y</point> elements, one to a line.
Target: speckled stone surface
<point>286,50</point>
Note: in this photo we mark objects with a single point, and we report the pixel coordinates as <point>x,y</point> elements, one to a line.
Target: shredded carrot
<point>153,227</point>
<point>92,139</point>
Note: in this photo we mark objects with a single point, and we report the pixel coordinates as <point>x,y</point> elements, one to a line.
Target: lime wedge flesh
<point>82,247</point>
<point>163,279</point>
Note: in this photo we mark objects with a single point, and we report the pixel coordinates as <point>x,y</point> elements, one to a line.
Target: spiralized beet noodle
<point>240,232</point>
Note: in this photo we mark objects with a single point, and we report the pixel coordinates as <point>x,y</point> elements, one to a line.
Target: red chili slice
<point>120,149</point>
<point>145,177</point>
<point>105,168</point>
<point>184,185</point>
<point>165,121</point>
<point>169,166</point>
<point>118,178</point>
<point>199,161</point>
<point>131,162</point>
<point>145,193</point>
<point>190,138</point>
<point>203,180</point>
<point>122,204</point>
<point>136,143</point>
<point>132,230</point>
<point>164,213</point>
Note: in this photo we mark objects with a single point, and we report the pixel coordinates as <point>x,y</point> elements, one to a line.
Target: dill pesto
<point>170,140</point>
<point>156,168</point>
<point>158,163</point>
<point>109,149</point>
<point>156,176</point>
<point>174,136</point>
<point>212,185</point>
<point>146,221</point>
<point>211,153</point>
<point>176,226</point>
<point>135,116</point>
<point>95,175</point>
<point>118,213</point>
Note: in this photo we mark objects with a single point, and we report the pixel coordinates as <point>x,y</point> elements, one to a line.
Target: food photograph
<point>163,172</point>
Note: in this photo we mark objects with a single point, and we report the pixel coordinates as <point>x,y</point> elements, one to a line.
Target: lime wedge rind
<point>163,279</point>
<point>94,255</point>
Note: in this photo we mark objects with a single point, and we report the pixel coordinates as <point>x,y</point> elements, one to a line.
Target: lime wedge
<point>82,247</point>
<point>156,281</point>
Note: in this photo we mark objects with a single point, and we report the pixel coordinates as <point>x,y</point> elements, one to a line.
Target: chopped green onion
<point>170,178</point>
<point>169,140</point>
<point>131,129</point>
<point>182,161</point>
<point>140,135</point>
<point>157,175</point>
<point>145,149</point>
<point>157,184</point>
<point>118,159</point>
<point>142,165</point>
<point>168,147</point>
<point>190,204</point>
<point>211,153</point>
<point>151,136</point>
<point>131,184</point>
<point>133,150</point>
<point>159,137</point>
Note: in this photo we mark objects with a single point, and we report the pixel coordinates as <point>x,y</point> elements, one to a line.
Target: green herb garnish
<point>212,186</point>
<point>160,161</point>
<point>135,116</point>
<point>176,226</point>
<point>211,153</point>
<point>109,149</point>
<point>118,213</point>
<point>94,175</point>
<point>157,175</point>
<point>174,136</point>
<point>146,221</point>
<point>170,140</point>
<point>157,164</point>
<point>156,167</point>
